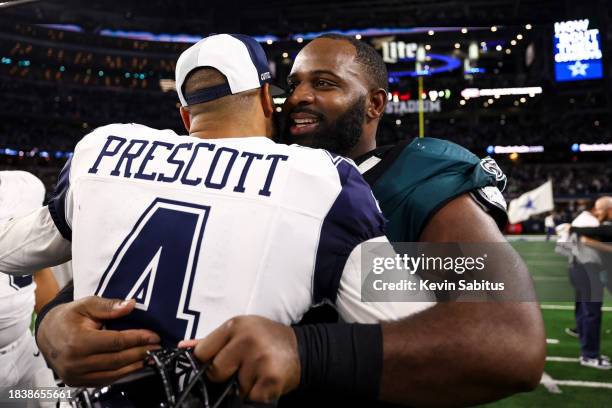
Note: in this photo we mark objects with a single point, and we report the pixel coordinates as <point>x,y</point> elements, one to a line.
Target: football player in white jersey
<point>200,228</point>
<point>21,364</point>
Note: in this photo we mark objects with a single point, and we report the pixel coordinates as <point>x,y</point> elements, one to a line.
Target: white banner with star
<point>533,202</point>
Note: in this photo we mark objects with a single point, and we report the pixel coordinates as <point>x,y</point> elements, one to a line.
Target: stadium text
<point>576,42</point>
<point>403,107</point>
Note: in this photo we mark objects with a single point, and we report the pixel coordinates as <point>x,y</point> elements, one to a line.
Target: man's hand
<point>263,352</point>
<point>73,342</point>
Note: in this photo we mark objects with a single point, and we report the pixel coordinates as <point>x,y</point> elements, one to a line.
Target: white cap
<point>240,58</point>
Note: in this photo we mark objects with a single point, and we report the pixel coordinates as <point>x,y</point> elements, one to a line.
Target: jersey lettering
<point>214,166</point>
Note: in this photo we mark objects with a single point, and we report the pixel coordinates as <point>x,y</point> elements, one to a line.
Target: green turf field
<point>549,271</point>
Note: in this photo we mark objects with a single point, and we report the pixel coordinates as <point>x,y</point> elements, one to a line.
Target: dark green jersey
<point>414,180</point>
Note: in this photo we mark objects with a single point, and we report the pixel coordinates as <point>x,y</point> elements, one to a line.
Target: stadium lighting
<point>515,149</point>
<point>431,32</point>
<point>358,36</point>
<point>523,100</point>
<point>528,27</point>
<point>514,156</point>
<point>490,101</point>
<point>428,47</point>
<point>462,102</point>
<point>300,40</point>
<point>499,48</point>
<point>519,36</point>
<point>457,45</point>
<point>464,30</point>
<point>516,103</point>
<point>475,92</point>
<point>285,55</point>
<point>494,29</point>
<point>486,105</point>
<point>167,85</point>
<point>269,42</point>
<point>398,122</point>
<point>513,42</point>
<point>279,109</point>
<point>598,147</point>
<point>508,51</point>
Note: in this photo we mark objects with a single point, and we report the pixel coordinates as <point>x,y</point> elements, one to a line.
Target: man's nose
<point>302,95</point>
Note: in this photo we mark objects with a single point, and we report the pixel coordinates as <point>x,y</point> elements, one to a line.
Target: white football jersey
<point>20,193</point>
<point>198,231</point>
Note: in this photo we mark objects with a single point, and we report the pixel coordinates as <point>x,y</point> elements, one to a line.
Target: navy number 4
<point>155,265</point>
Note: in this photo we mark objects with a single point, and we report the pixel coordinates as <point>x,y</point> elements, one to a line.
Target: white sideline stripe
<point>562,359</point>
<point>550,278</point>
<point>552,385</point>
<point>552,341</point>
<point>568,307</point>
<point>549,383</point>
<point>528,238</point>
<point>588,384</point>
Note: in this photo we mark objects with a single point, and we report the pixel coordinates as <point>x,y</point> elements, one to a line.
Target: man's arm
<point>595,244</point>
<point>452,354</point>
<point>46,288</point>
<point>455,354</point>
<point>603,232</point>
<point>31,243</point>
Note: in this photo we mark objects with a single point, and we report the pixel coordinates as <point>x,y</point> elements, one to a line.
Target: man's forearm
<point>459,354</point>
<point>603,232</point>
<point>66,295</point>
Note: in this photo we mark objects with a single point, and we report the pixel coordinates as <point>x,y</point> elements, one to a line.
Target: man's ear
<point>377,100</point>
<point>267,103</point>
<point>185,117</point>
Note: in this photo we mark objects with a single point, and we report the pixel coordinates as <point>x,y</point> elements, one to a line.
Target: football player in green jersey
<point>430,190</point>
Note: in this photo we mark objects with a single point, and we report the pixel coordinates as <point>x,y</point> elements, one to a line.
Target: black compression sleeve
<point>603,232</point>
<point>341,357</point>
<point>65,295</point>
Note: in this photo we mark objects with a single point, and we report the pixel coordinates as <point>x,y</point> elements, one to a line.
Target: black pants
<point>589,294</point>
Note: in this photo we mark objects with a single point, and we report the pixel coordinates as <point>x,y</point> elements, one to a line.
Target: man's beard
<point>339,137</point>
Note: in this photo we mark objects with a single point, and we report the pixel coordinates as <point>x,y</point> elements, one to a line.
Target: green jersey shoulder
<point>413,180</point>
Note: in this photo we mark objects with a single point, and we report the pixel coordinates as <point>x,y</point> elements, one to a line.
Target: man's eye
<point>290,88</point>
<point>322,83</point>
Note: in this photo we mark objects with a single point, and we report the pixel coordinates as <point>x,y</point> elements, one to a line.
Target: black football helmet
<point>171,378</point>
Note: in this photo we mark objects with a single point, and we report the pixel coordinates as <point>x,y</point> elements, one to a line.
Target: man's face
<point>602,211</point>
<point>327,97</point>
